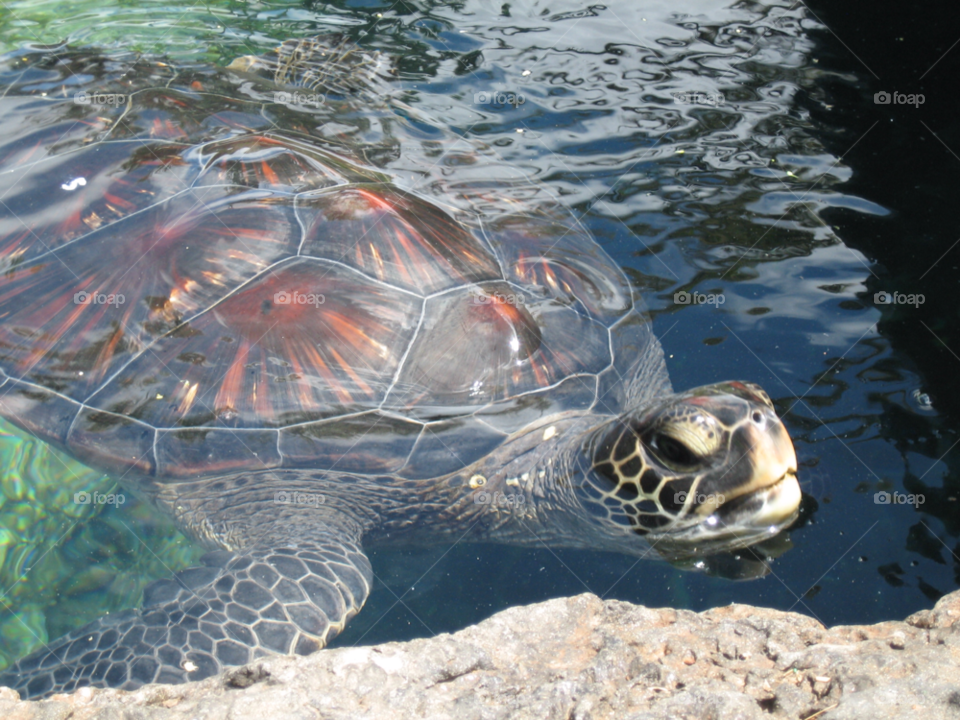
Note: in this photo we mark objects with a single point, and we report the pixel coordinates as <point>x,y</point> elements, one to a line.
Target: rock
<point>585,659</point>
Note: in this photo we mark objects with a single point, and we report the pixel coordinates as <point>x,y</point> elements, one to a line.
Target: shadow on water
<point>701,145</point>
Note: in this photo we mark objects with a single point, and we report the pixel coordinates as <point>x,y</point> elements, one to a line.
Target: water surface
<point>681,133</point>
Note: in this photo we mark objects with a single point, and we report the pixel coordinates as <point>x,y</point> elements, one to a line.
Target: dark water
<point>707,148</point>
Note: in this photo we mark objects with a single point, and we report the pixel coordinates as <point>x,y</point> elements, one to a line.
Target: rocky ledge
<point>583,658</point>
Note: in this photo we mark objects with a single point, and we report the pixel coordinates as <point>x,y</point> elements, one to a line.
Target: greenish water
<point>208,30</point>
<point>715,197</point>
<point>64,563</point>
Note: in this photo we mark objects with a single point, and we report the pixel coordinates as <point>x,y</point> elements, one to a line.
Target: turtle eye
<point>673,451</point>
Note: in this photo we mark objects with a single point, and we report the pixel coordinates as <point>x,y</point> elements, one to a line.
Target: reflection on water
<point>674,132</point>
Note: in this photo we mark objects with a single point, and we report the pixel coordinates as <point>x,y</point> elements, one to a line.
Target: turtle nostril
<point>757,417</point>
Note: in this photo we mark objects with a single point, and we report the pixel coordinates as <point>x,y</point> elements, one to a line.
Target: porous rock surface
<point>582,658</point>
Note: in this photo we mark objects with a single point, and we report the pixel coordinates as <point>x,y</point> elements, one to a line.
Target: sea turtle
<point>214,287</point>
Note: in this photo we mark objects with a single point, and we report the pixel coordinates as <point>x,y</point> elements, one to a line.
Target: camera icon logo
<point>881,98</point>
<point>680,498</point>
<point>681,298</point>
<point>81,98</point>
<point>81,498</point>
<point>282,298</point>
<point>882,298</point>
<point>81,298</point>
<point>282,497</point>
<point>481,498</point>
<point>881,498</point>
<point>282,97</point>
<point>482,98</point>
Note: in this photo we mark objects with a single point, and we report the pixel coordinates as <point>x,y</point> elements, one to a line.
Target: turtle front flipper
<point>235,608</point>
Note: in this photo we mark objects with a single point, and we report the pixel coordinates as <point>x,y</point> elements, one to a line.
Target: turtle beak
<point>771,495</point>
<point>779,503</point>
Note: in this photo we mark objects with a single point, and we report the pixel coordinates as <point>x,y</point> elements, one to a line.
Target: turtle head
<point>699,472</point>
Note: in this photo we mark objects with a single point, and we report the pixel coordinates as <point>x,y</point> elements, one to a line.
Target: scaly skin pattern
<point>234,609</point>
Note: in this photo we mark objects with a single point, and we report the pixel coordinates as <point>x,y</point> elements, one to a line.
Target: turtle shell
<point>187,290</point>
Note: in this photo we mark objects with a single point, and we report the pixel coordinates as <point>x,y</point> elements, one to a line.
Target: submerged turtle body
<point>201,303</point>
<point>227,323</point>
<point>231,304</point>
